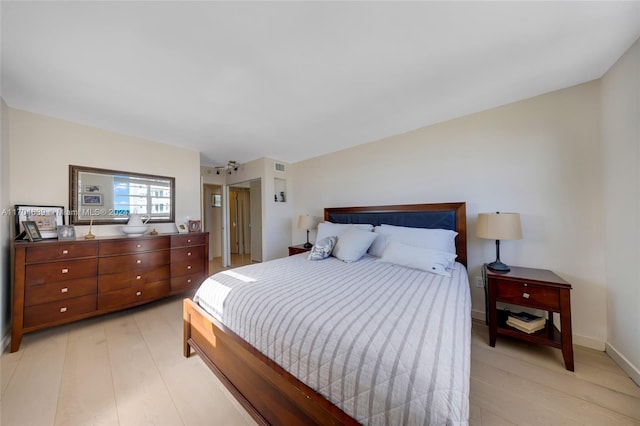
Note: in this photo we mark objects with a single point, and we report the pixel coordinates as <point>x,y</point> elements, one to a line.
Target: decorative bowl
<point>134,231</point>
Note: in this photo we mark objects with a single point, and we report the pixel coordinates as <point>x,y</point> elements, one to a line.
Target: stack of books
<point>526,322</point>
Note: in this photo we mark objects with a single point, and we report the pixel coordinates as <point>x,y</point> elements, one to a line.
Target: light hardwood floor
<point>127,368</point>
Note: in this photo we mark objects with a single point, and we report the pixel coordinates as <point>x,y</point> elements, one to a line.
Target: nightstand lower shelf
<point>549,335</point>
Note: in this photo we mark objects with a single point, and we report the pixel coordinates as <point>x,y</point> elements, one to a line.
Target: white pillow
<point>352,244</point>
<point>421,258</point>
<point>329,229</point>
<point>435,239</point>
<point>380,243</point>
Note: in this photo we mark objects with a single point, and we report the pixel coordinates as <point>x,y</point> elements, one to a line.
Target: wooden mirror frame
<point>74,205</point>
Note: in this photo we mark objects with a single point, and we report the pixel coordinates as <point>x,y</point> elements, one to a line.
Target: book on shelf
<point>526,320</point>
<point>526,329</point>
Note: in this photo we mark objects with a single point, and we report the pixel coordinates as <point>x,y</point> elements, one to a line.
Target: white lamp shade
<point>499,226</point>
<point>305,222</point>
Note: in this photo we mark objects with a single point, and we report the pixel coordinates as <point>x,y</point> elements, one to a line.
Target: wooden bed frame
<point>269,393</point>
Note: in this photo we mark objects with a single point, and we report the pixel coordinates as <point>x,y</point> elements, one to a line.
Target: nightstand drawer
<point>524,294</point>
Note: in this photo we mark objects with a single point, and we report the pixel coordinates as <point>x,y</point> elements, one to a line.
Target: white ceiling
<point>293,80</point>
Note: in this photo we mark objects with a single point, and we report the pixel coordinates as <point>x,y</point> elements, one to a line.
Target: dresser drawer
<point>185,254</point>
<point>194,266</point>
<point>524,294</point>
<point>186,282</point>
<point>69,250</point>
<point>58,291</point>
<point>133,246</point>
<point>133,262</point>
<point>59,311</point>
<point>42,273</point>
<point>187,240</point>
<point>126,279</point>
<point>118,299</point>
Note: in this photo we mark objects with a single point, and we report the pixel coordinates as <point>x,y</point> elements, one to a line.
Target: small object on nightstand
<point>300,248</point>
<point>153,232</point>
<point>532,288</point>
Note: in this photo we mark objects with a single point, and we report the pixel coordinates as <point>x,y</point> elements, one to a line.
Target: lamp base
<point>498,266</point>
<point>307,245</point>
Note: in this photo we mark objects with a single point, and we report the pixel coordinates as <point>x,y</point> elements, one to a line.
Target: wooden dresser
<point>56,282</point>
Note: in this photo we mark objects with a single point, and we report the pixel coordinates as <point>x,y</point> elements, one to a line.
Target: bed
<point>329,342</point>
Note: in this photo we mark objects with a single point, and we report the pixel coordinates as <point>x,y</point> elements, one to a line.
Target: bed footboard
<point>269,393</point>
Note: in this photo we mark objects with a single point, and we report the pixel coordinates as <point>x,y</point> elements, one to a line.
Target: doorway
<point>213,223</point>
<point>245,223</point>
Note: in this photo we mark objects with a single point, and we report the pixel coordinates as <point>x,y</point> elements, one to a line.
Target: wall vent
<point>279,167</point>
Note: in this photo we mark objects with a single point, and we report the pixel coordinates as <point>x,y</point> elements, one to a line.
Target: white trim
<point>477,315</point>
<point>589,342</point>
<point>624,363</point>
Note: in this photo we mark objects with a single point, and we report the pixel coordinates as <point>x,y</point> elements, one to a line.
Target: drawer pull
<point>525,295</point>
<point>189,281</point>
<point>188,266</point>
<point>189,254</point>
<point>64,290</point>
<point>138,245</point>
<point>138,293</point>
<point>65,270</point>
<point>525,284</point>
<point>63,310</point>
<point>138,261</point>
<point>188,241</point>
<point>138,277</point>
<point>65,251</point>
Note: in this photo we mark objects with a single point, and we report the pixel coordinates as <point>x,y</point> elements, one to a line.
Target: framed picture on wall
<point>216,200</point>
<point>92,199</point>
<point>47,218</point>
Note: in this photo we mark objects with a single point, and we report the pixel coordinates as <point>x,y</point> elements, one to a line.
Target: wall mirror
<point>110,196</point>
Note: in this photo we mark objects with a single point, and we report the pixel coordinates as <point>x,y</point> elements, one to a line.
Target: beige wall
<point>621,154</point>
<point>6,221</point>
<point>539,157</point>
<point>42,148</point>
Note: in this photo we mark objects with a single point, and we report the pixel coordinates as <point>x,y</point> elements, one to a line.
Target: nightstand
<point>298,249</point>
<point>533,288</point>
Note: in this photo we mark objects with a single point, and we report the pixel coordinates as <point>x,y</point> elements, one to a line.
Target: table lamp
<point>306,222</point>
<point>499,226</point>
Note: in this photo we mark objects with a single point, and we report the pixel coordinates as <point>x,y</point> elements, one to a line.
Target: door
<point>255,197</point>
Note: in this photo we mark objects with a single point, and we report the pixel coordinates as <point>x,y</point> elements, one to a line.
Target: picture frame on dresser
<point>32,231</point>
<point>66,232</point>
<point>194,226</point>
<point>48,218</point>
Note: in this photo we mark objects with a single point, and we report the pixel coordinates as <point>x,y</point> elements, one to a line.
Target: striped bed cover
<point>386,344</point>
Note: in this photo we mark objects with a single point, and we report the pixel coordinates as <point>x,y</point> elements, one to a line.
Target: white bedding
<point>387,344</point>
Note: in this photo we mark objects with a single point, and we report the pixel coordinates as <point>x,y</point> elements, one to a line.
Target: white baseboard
<point>588,342</point>
<point>624,363</point>
<point>477,315</point>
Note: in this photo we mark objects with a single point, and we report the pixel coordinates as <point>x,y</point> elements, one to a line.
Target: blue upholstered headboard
<point>434,216</point>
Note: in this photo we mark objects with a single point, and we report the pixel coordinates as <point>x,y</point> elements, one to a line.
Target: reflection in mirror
<point>110,196</point>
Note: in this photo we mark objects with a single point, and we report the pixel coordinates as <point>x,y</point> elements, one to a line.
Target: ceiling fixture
<point>231,167</point>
